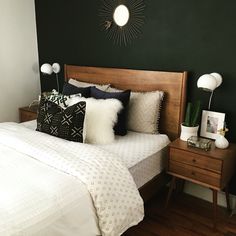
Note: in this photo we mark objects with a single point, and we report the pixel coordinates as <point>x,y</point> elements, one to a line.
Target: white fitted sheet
<point>143,154</point>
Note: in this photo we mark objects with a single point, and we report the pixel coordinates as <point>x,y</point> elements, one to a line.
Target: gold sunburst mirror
<point>122,20</point>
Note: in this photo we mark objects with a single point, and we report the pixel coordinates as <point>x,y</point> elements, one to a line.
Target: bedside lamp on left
<point>48,69</point>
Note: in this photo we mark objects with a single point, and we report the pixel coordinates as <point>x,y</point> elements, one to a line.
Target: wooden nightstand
<point>211,169</point>
<point>28,113</point>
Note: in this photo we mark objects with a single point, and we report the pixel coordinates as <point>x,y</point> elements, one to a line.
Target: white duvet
<point>35,183</point>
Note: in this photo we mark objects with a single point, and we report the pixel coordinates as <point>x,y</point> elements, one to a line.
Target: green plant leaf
<point>187,121</point>
<point>195,114</point>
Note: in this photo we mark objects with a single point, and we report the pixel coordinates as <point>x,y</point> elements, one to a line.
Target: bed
<point>54,206</point>
<point>174,84</point>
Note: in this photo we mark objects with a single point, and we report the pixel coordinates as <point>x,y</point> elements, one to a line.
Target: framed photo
<point>211,123</point>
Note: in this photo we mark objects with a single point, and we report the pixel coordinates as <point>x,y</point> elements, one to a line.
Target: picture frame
<point>211,123</point>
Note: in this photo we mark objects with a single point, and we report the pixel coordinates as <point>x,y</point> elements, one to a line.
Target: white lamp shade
<point>56,68</point>
<point>46,69</point>
<point>207,82</point>
<point>218,78</point>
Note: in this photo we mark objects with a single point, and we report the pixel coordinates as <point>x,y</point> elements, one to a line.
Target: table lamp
<point>46,68</point>
<point>209,82</point>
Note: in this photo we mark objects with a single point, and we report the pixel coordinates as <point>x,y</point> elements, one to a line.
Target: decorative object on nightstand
<point>212,169</point>
<point>46,68</point>
<point>190,126</point>
<point>221,141</point>
<point>28,113</point>
<point>198,142</point>
<point>209,82</point>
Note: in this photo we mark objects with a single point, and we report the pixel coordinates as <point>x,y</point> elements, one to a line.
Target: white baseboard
<point>206,194</point>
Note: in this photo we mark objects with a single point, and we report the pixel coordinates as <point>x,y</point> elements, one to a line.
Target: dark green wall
<point>197,36</point>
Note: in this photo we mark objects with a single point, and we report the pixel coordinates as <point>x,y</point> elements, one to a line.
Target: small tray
<point>198,142</point>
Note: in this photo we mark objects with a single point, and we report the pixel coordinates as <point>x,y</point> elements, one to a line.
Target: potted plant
<point>190,125</point>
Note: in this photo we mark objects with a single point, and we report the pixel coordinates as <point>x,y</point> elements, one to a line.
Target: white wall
<point>206,194</point>
<point>19,77</point>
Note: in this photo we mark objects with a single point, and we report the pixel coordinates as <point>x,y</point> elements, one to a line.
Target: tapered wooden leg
<point>180,186</point>
<point>214,192</point>
<point>171,188</point>
<point>227,198</point>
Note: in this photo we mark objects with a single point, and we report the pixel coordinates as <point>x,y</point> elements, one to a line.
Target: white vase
<point>187,132</point>
<point>221,142</point>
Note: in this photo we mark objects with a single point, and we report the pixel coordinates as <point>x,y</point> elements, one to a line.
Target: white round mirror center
<point>121,15</point>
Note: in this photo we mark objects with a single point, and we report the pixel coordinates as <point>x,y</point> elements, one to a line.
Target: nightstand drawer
<point>195,173</point>
<point>197,160</point>
<point>27,116</point>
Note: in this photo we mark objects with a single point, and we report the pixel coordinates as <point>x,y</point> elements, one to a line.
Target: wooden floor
<point>185,216</point>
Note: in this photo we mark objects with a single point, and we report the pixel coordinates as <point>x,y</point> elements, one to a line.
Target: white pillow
<point>77,83</point>
<point>144,111</point>
<point>100,118</point>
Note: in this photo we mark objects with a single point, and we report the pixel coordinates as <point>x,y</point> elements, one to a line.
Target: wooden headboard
<point>172,83</point>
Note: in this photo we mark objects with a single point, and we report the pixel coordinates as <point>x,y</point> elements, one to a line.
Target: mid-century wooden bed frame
<point>172,112</point>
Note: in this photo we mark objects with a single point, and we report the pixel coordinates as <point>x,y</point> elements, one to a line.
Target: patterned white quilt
<point>115,196</point>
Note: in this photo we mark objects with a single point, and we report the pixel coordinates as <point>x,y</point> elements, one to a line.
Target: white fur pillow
<point>100,118</point>
<point>77,83</point>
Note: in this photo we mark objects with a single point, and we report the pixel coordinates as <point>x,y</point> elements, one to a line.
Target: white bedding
<point>143,154</point>
<point>53,197</point>
<point>54,182</point>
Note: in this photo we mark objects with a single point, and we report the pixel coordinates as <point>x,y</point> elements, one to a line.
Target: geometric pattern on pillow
<point>61,99</point>
<point>144,111</point>
<point>63,123</point>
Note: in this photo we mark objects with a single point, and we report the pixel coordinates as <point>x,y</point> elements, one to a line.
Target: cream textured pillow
<point>144,111</point>
<point>100,118</point>
<point>77,83</point>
